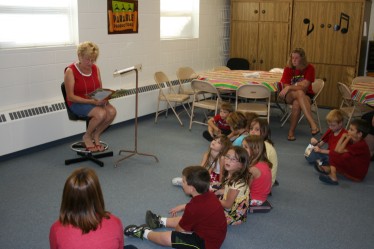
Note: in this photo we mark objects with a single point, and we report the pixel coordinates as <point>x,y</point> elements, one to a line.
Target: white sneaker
<point>177,181</point>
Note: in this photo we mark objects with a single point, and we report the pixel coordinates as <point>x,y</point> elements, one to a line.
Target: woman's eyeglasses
<point>232,159</point>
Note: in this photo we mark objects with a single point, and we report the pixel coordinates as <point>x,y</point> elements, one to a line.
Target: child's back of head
<point>237,120</point>
<point>198,177</point>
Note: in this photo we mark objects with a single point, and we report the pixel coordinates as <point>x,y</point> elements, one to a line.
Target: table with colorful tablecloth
<point>233,79</point>
<point>363,92</point>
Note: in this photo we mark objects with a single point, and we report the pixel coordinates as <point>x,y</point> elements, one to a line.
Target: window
<point>31,23</point>
<point>179,19</point>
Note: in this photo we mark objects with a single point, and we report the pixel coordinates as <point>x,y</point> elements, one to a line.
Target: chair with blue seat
<point>80,147</point>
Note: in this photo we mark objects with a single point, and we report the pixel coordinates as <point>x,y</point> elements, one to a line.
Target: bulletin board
<point>123,16</point>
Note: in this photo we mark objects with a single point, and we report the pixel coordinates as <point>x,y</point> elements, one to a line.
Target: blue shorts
<point>81,110</point>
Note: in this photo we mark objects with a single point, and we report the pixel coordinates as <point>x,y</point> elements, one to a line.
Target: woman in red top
<point>82,78</point>
<point>298,77</point>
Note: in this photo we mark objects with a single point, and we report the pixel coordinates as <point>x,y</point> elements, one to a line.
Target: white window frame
<point>179,19</point>
<point>38,23</point>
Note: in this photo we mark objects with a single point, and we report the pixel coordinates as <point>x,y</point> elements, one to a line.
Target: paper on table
<point>101,94</point>
<point>251,75</point>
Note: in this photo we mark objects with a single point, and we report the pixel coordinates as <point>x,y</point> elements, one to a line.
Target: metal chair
<point>259,97</point>
<point>200,86</point>
<point>185,74</point>
<point>80,147</point>
<point>168,95</point>
<point>348,106</point>
<point>221,68</point>
<point>317,87</point>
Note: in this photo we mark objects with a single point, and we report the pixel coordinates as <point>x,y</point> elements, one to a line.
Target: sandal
<point>315,131</point>
<point>291,138</point>
<point>100,148</point>
<point>91,149</point>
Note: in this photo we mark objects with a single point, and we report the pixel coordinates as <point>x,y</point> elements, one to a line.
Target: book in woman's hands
<point>101,94</point>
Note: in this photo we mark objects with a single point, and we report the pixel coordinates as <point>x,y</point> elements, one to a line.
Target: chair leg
<point>191,116</point>
<point>287,116</point>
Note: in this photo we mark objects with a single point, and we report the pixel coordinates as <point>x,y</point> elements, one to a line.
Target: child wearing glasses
<point>260,127</point>
<point>235,191</point>
<point>212,161</point>
<point>259,168</point>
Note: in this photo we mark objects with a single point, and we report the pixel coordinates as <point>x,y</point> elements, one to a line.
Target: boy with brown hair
<point>351,156</point>
<point>217,125</point>
<point>202,225</point>
<point>319,155</point>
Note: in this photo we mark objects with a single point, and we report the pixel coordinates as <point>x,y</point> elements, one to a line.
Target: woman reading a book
<point>81,79</point>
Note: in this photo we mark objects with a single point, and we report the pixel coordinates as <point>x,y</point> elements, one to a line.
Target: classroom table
<point>363,92</point>
<point>232,79</point>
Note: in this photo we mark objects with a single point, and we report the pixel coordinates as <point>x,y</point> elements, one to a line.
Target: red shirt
<point>261,186</point>
<point>291,76</point>
<point>107,236</point>
<point>204,215</point>
<point>84,84</point>
<point>354,163</point>
<point>331,139</point>
<point>221,123</point>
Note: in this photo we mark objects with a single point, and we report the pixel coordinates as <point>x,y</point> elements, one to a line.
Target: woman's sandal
<point>315,131</point>
<point>100,148</point>
<point>291,138</point>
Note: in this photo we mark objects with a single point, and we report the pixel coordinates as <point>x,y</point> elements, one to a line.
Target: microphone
<point>126,70</point>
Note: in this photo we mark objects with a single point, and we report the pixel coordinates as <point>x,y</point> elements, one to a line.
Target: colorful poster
<point>122,16</point>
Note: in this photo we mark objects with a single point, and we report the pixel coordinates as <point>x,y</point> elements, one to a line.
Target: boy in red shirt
<point>217,125</point>
<point>351,156</point>
<point>202,225</point>
<point>318,155</point>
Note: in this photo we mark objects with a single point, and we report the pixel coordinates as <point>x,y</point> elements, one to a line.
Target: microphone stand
<point>135,151</point>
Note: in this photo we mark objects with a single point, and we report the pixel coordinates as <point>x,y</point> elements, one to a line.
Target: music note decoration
<point>343,17</point>
<point>310,26</point>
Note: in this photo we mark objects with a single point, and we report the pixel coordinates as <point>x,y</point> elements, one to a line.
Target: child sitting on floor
<point>212,160</point>
<point>217,125</point>
<point>235,191</point>
<point>260,169</point>
<point>319,155</point>
<point>260,127</point>
<point>238,124</point>
<point>202,224</point>
<point>351,156</point>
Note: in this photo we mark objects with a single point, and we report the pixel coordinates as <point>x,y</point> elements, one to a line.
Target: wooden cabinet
<point>330,32</point>
<point>260,32</point>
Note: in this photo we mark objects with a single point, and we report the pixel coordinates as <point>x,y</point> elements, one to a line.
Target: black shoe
<point>328,180</point>
<point>153,220</point>
<point>135,231</point>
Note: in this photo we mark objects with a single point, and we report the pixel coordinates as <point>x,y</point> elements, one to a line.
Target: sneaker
<point>135,231</point>
<point>177,181</point>
<point>153,220</point>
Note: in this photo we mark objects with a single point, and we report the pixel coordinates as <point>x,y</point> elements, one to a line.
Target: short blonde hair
<point>88,48</point>
<point>335,116</point>
<point>304,61</point>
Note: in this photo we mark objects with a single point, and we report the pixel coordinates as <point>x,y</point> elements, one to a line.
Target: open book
<point>101,94</point>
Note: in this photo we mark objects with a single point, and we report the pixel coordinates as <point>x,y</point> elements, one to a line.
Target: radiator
<point>25,128</point>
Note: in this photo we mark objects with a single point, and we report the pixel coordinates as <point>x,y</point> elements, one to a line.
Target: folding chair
<point>221,68</point>
<point>200,86</point>
<point>168,95</point>
<point>185,74</point>
<point>317,86</point>
<point>259,97</point>
<point>348,106</point>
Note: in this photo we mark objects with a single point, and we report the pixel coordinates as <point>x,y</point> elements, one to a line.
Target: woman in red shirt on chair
<point>297,78</point>
<point>82,78</point>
